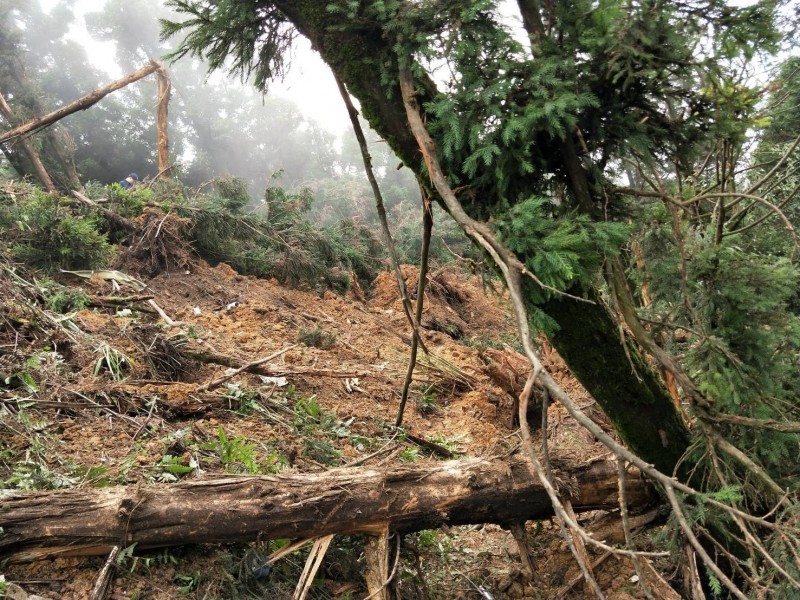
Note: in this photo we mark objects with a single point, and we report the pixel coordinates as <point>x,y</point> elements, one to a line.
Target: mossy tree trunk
<point>624,385</point>
<point>619,378</point>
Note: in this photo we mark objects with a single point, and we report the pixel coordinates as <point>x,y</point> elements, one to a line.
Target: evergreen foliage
<point>41,232</point>
<point>281,243</point>
<point>49,232</point>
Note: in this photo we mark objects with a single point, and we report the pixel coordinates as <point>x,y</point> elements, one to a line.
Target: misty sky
<point>308,83</point>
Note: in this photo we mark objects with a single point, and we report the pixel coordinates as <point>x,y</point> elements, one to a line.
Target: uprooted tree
<point>664,295</point>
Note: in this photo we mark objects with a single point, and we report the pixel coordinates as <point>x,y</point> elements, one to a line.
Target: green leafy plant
<point>170,468</point>
<point>243,401</point>
<point>321,451</point>
<point>187,582</point>
<point>60,298</point>
<point>236,454</point>
<point>409,454</point>
<point>30,475</point>
<point>427,404</point>
<point>453,444</point>
<point>276,462</point>
<point>112,360</point>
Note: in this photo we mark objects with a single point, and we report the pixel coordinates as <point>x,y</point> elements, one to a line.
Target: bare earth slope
<point>119,403</point>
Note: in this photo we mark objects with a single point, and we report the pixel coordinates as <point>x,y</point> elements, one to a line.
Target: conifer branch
<point>511,270</point>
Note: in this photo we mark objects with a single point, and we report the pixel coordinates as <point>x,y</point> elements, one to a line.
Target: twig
<point>280,553</point>
<point>626,528</point>
<point>427,227</point>
<point>750,464</point>
<point>147,419</point>
<point>753,188</point>
<point>690,536</point>
<point>432,446</point>
<point>562,593</point>
<point>621,294</point>
<point>163,315</point>
<point>104,409</point>
<point>775,209</point>
<point>362,143</point>
<point>220,380</point>
<point>309,372</point>
<point>104,579</point>
<point>312,566</point>
<point>378,452</point>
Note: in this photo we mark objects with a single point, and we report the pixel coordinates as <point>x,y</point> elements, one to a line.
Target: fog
<point>297,135</point>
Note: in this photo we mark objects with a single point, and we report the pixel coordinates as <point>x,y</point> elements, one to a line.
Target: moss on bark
<point>624,385</point>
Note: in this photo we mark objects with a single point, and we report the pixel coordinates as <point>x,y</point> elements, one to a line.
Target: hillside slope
<point>111,394</point>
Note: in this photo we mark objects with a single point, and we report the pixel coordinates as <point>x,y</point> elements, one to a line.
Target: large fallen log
<point>340,501</point>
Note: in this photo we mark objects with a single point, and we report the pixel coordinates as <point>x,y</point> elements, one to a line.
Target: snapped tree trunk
<point>164,90</point>
<point>619,378</point>
<point>302,505</point>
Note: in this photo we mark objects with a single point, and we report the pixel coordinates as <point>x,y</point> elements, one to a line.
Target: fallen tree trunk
<point>298,505</point>
<point>83,103</point>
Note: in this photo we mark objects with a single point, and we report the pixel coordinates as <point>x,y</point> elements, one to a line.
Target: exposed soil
<point>130,420</point>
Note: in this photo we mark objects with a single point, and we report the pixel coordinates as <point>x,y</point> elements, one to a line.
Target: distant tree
<point>218,128</point>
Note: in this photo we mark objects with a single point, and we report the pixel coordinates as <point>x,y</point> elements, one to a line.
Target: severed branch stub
<point>100,588</point>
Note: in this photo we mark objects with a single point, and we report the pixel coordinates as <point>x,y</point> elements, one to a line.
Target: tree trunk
<point>164,89</point>
<point>624,385</point>
<point>618,377</point>
<point>298,505</point>
<point>80,104</point>
<point>27,147</point>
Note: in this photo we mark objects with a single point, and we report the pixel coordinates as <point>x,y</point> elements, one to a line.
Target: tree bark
<point>618,377</point>
<point>80,104</point>
<point>298,505</point>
